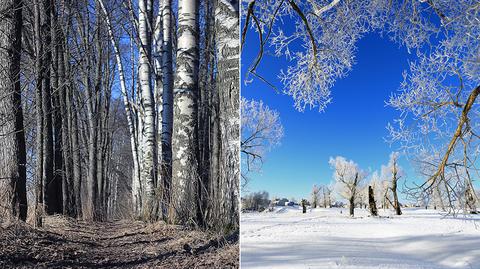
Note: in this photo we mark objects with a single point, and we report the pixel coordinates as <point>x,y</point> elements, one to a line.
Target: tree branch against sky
<point>348,179</point>
<point>438,102</point>
<point>438,97</point>
<point>320,47</point>
<point>261,131</point>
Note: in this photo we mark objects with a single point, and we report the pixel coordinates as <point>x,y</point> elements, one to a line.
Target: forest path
<point>67,243</point>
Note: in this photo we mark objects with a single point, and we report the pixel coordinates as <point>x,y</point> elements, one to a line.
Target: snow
<point>325,238</point>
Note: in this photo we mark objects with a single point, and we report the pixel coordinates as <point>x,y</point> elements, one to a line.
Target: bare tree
<point>13,202</point>
<point>74,52</point>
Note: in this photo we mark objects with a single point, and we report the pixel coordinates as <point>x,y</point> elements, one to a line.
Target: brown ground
<point>66,243</point>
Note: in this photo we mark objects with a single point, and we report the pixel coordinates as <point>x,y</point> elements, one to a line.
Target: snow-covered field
<point>325,238</point>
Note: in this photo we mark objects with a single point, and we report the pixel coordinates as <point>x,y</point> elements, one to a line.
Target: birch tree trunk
<point>228,86</point>
<point>13,200</point>
<point>184,143</point>
<point>147,105</point>
<point>158,93</point>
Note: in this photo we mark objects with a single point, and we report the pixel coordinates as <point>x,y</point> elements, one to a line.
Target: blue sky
<point>353,125</point>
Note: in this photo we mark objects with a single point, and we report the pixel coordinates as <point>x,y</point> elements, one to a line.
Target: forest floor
<point>330,239</point>
<point>67,243</point>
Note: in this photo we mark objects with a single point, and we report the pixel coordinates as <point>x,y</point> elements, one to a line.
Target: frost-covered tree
<point>256,201</point>
<point>261,130</point>
<point>391,173</point>
<point>348,177</point>
<point>379,189</point>
<point>320,48</point>
<point>437,102</point>
<point>315,196</point>
<point>438,98</point>
<point>326,193</point>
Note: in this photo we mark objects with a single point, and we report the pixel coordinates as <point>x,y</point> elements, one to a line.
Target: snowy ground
<point>325,238</point>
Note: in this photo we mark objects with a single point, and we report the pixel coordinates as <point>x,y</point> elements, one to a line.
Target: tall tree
<point>184,143</point>
<point>167,103</point>
<point>348,177</point>
<point>13,204</point>
<point>395,172</point>
<point>39,204</point>
<point>147,106</point>
<point>56,186</point>
<point>228,87</point>
<point>48,185</point>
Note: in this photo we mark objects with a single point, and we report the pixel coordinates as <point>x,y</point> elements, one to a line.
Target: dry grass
<point>68,243</point>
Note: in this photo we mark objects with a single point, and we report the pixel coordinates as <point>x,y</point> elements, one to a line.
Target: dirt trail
<point>66,243</point>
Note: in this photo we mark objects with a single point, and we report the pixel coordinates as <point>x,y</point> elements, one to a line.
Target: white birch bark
<point>147,106</point>
<point>227,47</point>
<point>158,87</point>
<point>184,163</point>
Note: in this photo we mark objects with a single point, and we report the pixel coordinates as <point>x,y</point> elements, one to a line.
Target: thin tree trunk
<point>50,194</point>
<point>147,105</point>
<point>67,183</point>
<point>167,103</point>
<point>371,202</point>
<point>353,195</point>
<point>76,160</point>
<point>39,204</point>
<point>396,204</point>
